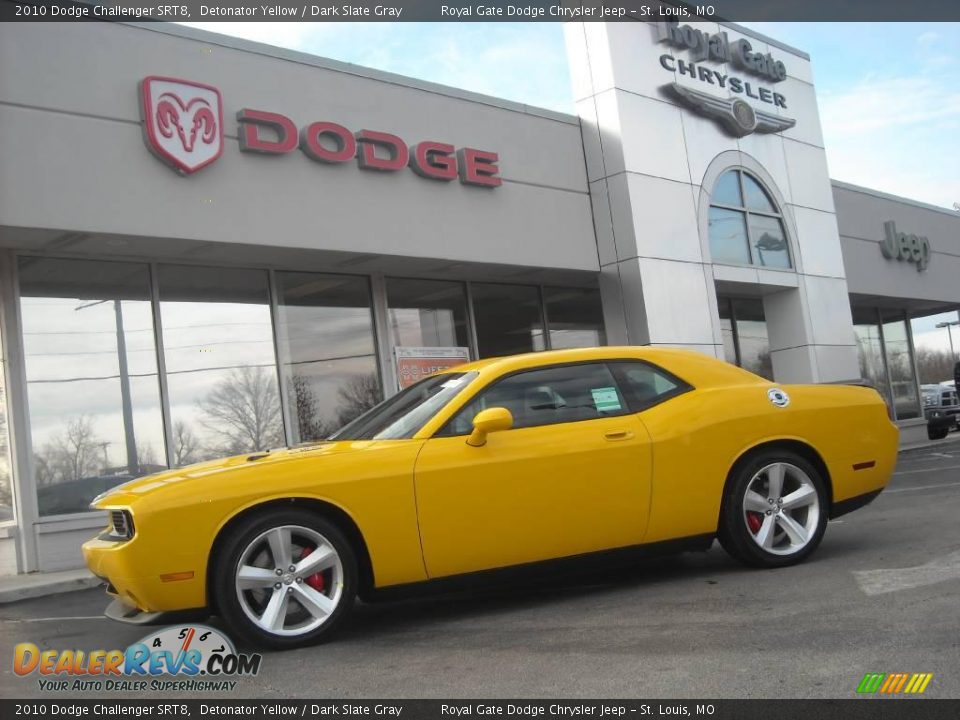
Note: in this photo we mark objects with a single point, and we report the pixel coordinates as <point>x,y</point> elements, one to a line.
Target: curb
<point>926,445</point>
<point>17,588</point>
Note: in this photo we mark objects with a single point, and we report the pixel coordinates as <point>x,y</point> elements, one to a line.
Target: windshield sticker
<point>606,399</point>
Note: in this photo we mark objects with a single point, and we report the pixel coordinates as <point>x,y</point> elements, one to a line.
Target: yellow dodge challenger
<point>515,463</point>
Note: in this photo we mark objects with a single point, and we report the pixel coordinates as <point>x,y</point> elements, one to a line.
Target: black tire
<point>734,533</point>
<point>226,563</point>
<point>938,433</point>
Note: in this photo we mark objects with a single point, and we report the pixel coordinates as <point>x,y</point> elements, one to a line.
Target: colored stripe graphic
<point>871,682</point>
<point>894,683</point>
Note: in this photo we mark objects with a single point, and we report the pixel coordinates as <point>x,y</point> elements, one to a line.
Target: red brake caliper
<point>316,580</point>
<point>754,521</point>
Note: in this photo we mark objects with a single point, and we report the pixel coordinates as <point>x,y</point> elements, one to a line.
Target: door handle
<point>618,435</point>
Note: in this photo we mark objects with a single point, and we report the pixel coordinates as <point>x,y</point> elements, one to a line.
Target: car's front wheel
<point>775,510</point>
<point>285,578</point>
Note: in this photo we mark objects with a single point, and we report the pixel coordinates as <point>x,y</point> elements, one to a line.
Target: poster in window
<point>416,363</point>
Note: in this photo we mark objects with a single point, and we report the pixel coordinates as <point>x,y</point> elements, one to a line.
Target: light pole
<point>949,325</point>
<point>133,460</point>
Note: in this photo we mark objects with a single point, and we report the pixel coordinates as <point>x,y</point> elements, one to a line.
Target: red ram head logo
<point>182,122</point>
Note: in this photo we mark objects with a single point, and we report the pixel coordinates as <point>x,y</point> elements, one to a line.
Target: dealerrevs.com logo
<point>183,126</point>
<point>200,658</point>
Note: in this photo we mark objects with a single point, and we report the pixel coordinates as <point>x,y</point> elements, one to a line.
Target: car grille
<point>121,524</point>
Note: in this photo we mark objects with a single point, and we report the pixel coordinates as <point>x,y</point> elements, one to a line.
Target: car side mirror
<point>487,421</point>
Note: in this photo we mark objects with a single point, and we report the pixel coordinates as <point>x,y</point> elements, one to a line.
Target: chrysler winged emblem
<point>736,116</point>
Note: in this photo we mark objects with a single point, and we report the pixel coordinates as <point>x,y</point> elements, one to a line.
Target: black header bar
<point>469,11</point>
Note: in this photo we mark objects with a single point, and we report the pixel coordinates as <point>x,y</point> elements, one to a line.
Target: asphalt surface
<point>690,626</point>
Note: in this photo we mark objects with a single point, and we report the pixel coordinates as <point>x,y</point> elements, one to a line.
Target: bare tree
<point>75,453</point>
<point>934,366</point>
<point>243,411</point>
<point>185,444</point>
<point>312,426</point>
<point>360,394</point>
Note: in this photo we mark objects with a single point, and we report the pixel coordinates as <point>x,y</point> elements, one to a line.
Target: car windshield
<point>406,412</point>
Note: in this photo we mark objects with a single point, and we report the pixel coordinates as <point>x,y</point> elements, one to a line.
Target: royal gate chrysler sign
<point>183,127</point>
<point>735,115</point>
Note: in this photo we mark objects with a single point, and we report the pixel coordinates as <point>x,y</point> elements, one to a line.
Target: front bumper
<point>134,573</point>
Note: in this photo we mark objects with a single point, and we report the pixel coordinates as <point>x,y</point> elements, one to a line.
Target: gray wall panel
<point>860,216</point>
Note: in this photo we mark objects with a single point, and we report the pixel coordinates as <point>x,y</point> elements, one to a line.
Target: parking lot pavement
<point>880,595</point>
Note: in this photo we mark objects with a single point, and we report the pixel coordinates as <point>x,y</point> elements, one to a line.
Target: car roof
<point>691,366</point>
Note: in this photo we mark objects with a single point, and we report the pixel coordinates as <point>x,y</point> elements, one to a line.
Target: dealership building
<point>212,246</point>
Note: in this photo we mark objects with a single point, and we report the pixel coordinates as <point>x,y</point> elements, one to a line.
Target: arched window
<point>746,226</point>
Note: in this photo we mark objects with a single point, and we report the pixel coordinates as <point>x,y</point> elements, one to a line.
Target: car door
<point>571,476</point>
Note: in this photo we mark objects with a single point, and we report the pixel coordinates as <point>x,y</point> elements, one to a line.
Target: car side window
<point>546,396</point>
<point>645,385</point>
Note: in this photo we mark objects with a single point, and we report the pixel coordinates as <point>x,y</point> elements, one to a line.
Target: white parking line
<point>877,582</point>
<point>921,487</point>
<point>926,470</point>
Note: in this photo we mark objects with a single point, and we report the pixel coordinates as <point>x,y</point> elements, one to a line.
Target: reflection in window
<point>575,317</point>
<point>508,319</point>
<point>6,496</point>
<point>221,370</point>
<point>753,342</point>
<point>92,381</point>
<point>935,338</point>
<point>903,381</point>
<point>745,225</point>
<point>726,329</point>
<point>745,339</point>
<point>873,368</point>
<point>427,313</point>
<point>327,350</point>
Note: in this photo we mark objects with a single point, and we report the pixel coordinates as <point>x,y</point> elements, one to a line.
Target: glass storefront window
<point>745,339</point>
<point>726,328</point>
<point>873,368</point>
<point>327,350</point>
<point>6,495</point>
<point>935,342</point>
<point>752,339</point>
<point>427,313</point>
<point>574,317</point>
<point>508,319</point>
<point>745,225</point>
<point>903,381</point>
<point>221,367</point>
<point>92,380</point>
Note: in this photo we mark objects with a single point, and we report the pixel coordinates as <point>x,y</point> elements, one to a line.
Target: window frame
<point>683,387</point>
<point>746,212</point>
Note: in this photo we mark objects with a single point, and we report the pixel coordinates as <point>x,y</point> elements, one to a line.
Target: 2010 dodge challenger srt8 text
<point>496,464</point>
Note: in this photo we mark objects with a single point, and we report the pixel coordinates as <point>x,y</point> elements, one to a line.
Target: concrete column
<point>652,164</point>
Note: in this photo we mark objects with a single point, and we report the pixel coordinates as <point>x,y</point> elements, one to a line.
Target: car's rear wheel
<point>285,578</point>
<point>775,510</point>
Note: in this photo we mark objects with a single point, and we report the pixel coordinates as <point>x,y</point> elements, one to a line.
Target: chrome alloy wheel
<point>289,580</point>
<point>781,508</point>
